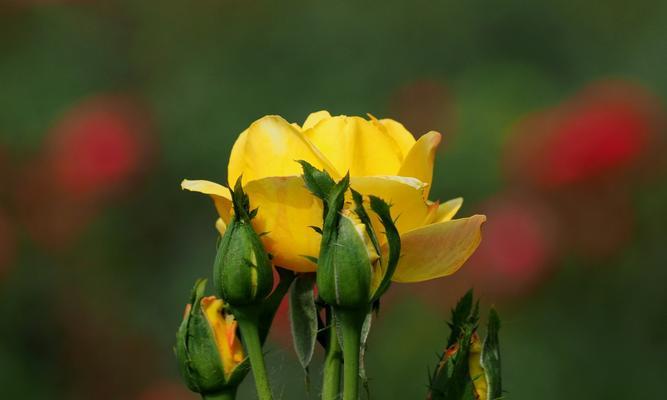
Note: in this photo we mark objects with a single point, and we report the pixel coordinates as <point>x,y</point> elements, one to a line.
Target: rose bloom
<point>382,158</point>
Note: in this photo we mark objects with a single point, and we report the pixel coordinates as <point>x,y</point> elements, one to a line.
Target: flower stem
<point>332,363</point>
<point>351,322</point>
<point>228,394</point>
<point>248,320</point>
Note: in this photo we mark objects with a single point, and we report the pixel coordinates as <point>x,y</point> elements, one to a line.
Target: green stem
<point>332,363</point>
<point>228,394</point>
<point>351,322</point>
<point>248,320</point>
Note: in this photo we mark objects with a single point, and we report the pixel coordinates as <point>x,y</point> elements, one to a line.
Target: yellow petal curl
<point>419,161</point>
<point>224,331</point>
<point>403,138</point>
<point>221,196</point>
<point>270,147</point>
<point>438,249</point>
<point>448,209</point>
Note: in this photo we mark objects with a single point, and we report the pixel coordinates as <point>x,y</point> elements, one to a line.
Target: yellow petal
<point>286,210</point>
<point>224,332</point>
<point>448,209</point>
<point>418,163</point>
<point>475,368</point>
<point>356,145</point>
<point>221,196</point>
<point>403,194</point>
<point>314,118</point>
<point>270,147</point>
<point>437,250</point>
<point>403,138</point>
<point>220,226</point>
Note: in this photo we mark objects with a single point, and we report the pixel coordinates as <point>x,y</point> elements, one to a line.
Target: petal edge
<point>439,249</point>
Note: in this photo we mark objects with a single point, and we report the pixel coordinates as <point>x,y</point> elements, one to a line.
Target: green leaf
<point>303,317</point>
<point>381,208</point>
<point>491,357</point>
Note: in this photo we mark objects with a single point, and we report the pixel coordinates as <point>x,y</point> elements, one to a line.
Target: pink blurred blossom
<point>518,247</point>
<point>99,146</point>
<point>601,132</point>
<point>96,151</point>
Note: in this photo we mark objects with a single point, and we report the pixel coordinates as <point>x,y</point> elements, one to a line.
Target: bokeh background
<point>554,124</point>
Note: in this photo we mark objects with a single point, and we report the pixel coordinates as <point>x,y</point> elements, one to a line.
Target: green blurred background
<point>553,119</point>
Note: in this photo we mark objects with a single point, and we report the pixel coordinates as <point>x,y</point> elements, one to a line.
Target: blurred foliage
<point>97,319</point>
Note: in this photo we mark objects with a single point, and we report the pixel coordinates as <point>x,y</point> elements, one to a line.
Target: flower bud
<point>243,270</point>
<point>210,355</point>
<point>469,368</point>
<point>345,265</point>
<point>476,370</point>
<point>351,271</point>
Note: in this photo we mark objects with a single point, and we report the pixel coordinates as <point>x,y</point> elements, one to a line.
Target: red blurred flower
<point>99,146</point>
<point>517,254</point>
<point>602,131</point>
<point>518,248</point>
<point>98,149</point>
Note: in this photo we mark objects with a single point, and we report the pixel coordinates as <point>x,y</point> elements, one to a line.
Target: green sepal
<point>490,358</point>
<point>381,208</point>
<point>461,314</point>
<point>365,219</point>
<point>365,330</point>
<point>303,318</point>
<point>243,271</point>
<point>318,182</point>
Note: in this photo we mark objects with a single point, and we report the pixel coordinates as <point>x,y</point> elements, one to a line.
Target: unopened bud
<point>209,352</point>
<point>243,270</point>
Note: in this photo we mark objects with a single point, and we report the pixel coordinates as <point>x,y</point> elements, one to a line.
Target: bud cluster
<point>468,368</point>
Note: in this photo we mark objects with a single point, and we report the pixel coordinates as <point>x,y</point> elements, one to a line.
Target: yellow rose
<point>383,159</point>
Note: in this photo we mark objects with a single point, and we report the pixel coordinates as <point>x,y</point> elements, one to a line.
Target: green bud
<point>210,355</point>
<point>351,272</point>
<point>344,267</point>
<point>468,368</point>
<point>243,271</point>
